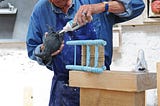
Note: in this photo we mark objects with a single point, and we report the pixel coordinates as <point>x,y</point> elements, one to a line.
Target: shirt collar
<point>58,10</point>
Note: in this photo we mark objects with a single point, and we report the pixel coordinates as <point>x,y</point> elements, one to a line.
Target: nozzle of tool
<point>62,31</point>
<point>71,26</point>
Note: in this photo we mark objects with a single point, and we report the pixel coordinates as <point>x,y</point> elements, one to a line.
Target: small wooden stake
<point>28,96</point>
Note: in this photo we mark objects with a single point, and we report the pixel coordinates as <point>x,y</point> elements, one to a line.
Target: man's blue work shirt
<point>46,14</point>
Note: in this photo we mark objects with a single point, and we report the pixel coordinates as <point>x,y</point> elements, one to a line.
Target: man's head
<point>61,3</point>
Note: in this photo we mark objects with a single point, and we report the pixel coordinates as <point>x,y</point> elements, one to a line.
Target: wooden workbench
<point>112,88</point>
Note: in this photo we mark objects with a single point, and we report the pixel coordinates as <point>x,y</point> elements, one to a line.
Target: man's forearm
<point>90,9</point>
<point>116,7</point>
<point>113,7</point>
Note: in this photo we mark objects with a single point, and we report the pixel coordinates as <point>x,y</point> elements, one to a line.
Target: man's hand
<point>85,12</point>
<point>59,50</point>
<point>88,10</point>
<point>56,52</point>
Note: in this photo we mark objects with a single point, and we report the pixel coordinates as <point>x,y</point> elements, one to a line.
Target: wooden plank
<point>12,44</point>
<point>28,96</point>
<point>158,82</point>
<point>113,80</point>
<point>97,97</point>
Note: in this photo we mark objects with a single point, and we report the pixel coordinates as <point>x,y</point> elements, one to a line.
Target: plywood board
<point>97,97</point>
<point>113,80</point>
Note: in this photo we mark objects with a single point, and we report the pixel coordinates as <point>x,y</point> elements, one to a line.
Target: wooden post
<point>97,97</point>
<point>28,96</point>
<point>112,88</point>
<point>158,82</point>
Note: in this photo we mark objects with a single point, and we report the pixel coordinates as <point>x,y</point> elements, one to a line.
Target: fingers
<point>83,15</point>
<point>46,34</point>
<point>55,53</point>
<point>89,16</point>
<point>61,47</point>
<point>58,51</point>
<point>42,47</point>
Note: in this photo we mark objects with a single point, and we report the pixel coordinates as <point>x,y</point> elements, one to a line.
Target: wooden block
<point>158,82</point>
<point>113,80</point>
<point>28,96</point>
<point>97,97</point>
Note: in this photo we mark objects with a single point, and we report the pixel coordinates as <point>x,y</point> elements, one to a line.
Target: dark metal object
<point>52,43</point>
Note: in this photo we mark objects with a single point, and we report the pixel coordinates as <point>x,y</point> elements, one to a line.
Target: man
<point>56,13</point>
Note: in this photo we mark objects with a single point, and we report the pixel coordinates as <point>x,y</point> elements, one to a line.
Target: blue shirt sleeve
<point>34,38</point>
<point>38,51</point>
<point>133,8</point>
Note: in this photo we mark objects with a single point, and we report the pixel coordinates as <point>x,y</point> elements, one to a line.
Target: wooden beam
<point>158,82</point>
<point>97,97</point>
<point>12,44</point>
<point>28,96</point>
<point>113,80</point>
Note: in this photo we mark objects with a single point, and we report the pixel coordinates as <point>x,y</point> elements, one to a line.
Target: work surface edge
<point>114,80</point>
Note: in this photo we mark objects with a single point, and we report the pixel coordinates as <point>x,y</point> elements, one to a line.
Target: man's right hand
<point>59,50</point>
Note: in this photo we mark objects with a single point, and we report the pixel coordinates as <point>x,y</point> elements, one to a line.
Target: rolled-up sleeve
<point>133,8</point>
<point>34,38</point>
